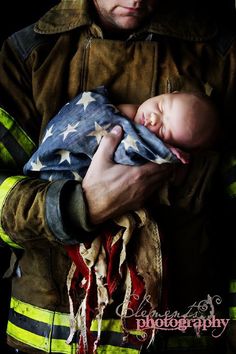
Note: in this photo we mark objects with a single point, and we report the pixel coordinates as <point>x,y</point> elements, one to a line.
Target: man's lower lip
<point>131,10</point>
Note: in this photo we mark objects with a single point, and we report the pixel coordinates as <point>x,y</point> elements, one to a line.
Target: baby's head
<point>185,120</point>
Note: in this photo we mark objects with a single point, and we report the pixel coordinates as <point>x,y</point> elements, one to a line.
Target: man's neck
<point>116,34</point>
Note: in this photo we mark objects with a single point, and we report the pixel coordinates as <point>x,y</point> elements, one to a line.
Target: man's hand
<point>112,189</point>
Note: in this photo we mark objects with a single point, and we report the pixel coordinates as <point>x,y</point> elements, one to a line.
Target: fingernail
<point>116,130</point>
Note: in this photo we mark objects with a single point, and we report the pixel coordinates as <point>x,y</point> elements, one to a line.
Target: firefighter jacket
<point>44,66</point>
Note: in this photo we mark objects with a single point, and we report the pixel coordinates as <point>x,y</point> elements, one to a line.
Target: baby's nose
<point>153,119</point>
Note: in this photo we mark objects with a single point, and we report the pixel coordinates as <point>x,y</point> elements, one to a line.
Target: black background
<point>14,15</point>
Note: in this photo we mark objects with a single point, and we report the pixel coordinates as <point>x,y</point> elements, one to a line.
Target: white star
<point>86,99</point>
<point>130,142</point>
<point>77,176</point>
<point>48,133</point>
<point>159,160</point>
<point>65,155</point>
<point>69,129</point>
<point>99,131</point>
<point>37,166</point>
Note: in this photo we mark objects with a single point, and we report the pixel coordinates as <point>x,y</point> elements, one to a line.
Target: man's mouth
<point>130,11</point>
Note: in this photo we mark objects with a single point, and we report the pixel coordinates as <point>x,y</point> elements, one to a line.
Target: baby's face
<point>170,117</point>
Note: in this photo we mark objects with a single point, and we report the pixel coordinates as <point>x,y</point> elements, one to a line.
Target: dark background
<point>17,14</point>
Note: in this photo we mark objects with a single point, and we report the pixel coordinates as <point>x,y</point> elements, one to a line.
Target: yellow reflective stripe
<point>7,240</point>
<point>48,345</point>
<point>5,188</point>
<point>6,157</point>
<point>113,325</point>
<point>61,319</point>
<point>58,318</point>
<point>21,137</point>
<point>109,349</point>
<point>231,189</point>
<point>232,286</point>
<point>51,318</point>
<point>232,313</point>
<point>60,346</point>
<point>39,314</point>
<point>27,337</point>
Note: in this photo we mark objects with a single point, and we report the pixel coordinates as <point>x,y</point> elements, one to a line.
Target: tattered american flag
<point>73,135</point>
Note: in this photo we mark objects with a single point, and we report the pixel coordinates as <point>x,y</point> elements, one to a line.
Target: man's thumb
<point>111,140</point>
<point>116,130</point>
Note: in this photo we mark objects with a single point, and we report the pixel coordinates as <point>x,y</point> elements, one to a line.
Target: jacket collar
<point>67,15</point>
<point>71,14</point>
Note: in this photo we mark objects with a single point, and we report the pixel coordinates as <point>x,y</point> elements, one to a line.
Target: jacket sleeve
<point>30,209</point>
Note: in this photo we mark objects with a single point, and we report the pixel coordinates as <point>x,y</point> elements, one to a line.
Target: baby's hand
<point>128,110</point>
<point>183,156</point>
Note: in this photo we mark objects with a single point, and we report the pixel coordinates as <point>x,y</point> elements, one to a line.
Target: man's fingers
<point>109,142</point>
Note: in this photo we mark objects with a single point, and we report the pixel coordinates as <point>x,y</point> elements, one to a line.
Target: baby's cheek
<point>138,118</point>
<point>155,130</point>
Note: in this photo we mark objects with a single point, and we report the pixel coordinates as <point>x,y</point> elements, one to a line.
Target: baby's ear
<point>183,156</point>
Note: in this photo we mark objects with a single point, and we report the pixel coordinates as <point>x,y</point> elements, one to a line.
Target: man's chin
<point>128,23</point>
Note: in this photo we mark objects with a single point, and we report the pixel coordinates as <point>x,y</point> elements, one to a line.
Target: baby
<point>164,128</point>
